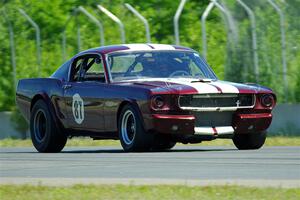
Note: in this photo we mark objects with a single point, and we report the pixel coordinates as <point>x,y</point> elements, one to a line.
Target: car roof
<point>134,47</point>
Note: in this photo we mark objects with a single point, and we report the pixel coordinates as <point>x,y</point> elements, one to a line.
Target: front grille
<point>212,119</point>
<point>216,101</point>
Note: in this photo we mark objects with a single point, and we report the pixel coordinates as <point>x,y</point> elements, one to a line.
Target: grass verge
<point>78,192</point>
<point>271,141</point>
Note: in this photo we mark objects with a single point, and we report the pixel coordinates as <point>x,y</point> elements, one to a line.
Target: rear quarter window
<point>62,72</point>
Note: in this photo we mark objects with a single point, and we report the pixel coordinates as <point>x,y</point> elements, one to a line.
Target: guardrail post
<point>115,19</point>
<point>78,33</point>
<point>93,19</point>
<point>176,21</point>
<point>283,47</point>
<point>228,22</point>
<point>88,15</point>
<point>254,38</point>
<point>12,47</point>
<point>203,21</point>
<point>38,38</point>
<point>211,5</point>
<point>138,15</point>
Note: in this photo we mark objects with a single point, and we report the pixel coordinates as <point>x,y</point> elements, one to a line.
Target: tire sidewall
<point>139,141</point>
<point>250,140</point>
<point>43,144</point>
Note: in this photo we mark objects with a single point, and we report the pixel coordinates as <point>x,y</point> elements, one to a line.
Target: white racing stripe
<point>145,47</point>
<point>202,88</point>
<point>142,47</point>
<point>162,46</point>
<point>224,130</point>
<point>220,130</point>
<point>204,131</point>
<point>226,88</point>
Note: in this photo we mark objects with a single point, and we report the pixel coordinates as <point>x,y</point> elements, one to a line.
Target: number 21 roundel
<point>78,108</point>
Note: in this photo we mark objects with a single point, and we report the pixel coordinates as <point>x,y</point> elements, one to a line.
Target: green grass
<point>109,192</point>
<point>271,141</point>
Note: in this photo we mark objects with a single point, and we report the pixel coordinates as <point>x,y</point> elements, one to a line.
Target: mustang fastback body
<point>149,96</point>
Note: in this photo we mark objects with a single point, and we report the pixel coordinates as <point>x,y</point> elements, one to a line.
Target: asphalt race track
<point>279,166</point>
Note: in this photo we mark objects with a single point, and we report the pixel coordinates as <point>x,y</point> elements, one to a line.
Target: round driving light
<point>267,100</point>
<point>157,102</point>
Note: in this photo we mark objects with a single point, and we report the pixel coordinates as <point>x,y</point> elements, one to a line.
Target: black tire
<point>249,141</point>
<point>45,135</point>
<point>162,144</point>
<point>132,134</point>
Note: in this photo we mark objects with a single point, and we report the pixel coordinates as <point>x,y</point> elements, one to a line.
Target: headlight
<point>267,100</point>
<point>157,102</point>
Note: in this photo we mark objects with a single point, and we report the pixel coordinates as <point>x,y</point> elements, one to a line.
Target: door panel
<point>84,93</point>
<point>84,103</point>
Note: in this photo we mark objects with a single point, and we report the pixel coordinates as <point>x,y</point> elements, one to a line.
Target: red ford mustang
<point>149,96</point>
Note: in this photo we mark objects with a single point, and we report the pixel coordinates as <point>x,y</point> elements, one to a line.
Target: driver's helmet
<point>155,66</point>
<point>163,65</point>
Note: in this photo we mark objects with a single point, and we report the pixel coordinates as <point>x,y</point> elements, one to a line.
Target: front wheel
<point>249,141</point>
<point>45,135</point>
<point>132,135</point>
<point>162,144</point>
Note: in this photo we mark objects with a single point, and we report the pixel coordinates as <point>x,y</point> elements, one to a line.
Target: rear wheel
<point>249,141</point>
<point>45,135</point>
<point>132,135</point>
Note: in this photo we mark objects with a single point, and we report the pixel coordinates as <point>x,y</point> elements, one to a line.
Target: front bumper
<point>185,124</point>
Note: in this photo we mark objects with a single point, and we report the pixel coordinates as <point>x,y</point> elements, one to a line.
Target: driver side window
<point>88,68</point>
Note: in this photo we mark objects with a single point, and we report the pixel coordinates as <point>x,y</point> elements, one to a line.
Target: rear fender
<point>44,96</point>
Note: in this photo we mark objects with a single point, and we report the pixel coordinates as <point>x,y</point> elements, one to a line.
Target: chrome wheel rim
<point>128,127</point>
<point>40,126</point>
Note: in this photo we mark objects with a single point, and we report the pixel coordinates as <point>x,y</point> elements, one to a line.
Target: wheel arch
<point>35,99</point>
<point>44,96</point>
<point>132,103</point>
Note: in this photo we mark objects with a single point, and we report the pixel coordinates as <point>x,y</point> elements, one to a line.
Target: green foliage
<point>146,192</point>
<point>230,57</point>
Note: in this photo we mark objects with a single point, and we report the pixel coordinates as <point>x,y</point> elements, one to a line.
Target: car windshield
<point>158,64</point>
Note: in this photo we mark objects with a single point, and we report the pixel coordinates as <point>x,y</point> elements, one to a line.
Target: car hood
<point>194,86</point>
